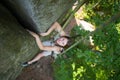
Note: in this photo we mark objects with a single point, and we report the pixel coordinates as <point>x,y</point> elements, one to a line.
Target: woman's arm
<point>56,26</point>
<point>47,48</point>
<point>41,46</point>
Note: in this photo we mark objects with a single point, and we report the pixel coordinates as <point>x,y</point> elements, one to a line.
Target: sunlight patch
<point>77,73</point>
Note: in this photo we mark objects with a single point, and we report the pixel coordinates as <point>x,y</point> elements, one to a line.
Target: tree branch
<point>112,19</point>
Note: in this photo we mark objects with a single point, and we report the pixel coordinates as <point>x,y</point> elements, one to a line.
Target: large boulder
<point>38,15</point>
<point>16,46</point>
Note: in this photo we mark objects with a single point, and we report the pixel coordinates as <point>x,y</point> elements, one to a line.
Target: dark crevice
<point>25,24</point>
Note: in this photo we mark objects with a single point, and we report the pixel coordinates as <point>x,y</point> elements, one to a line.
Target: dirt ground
<point>42,70</point>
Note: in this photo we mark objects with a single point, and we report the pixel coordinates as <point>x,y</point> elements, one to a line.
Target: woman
<point>49,47</point>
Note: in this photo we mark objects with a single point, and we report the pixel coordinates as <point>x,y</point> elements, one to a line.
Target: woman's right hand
<point>58,49</point>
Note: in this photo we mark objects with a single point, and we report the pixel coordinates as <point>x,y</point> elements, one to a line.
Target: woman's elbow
<point>42,48</point>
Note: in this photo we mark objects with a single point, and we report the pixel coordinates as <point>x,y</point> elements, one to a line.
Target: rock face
<point>38,15</point>
<point>16,46</point>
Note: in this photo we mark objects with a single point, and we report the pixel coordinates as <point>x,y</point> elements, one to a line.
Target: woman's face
<point>62,41</point>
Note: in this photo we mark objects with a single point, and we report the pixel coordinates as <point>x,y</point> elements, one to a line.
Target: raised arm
<point>41,46</point>
<point>57,27</point>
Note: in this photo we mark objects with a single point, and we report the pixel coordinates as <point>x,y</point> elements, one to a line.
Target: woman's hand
<point>32,33</point>
<point>59,49</point>
<point>43,34</point>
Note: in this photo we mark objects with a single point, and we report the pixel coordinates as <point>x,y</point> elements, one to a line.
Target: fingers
<point>59,49</point>
<point>43,34</point>
<point>32,33</point>
<point>29,31</point>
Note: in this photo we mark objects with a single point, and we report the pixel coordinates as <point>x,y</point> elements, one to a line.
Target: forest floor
<point>42,70</point>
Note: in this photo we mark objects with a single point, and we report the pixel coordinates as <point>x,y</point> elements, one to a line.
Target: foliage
<point>102,61</point>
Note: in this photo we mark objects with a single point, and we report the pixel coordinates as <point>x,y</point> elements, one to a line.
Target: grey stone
<point>38,15</point>
<point>16,46</point>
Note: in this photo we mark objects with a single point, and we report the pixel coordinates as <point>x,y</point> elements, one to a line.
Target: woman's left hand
<point>32,33</point>
<point>43,34</point>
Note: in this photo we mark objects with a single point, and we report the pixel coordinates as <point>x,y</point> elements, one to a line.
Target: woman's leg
<point>40,55</point>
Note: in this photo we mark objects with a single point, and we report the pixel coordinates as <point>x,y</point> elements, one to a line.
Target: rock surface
<point>16,46</point>
<point>38,15</point>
